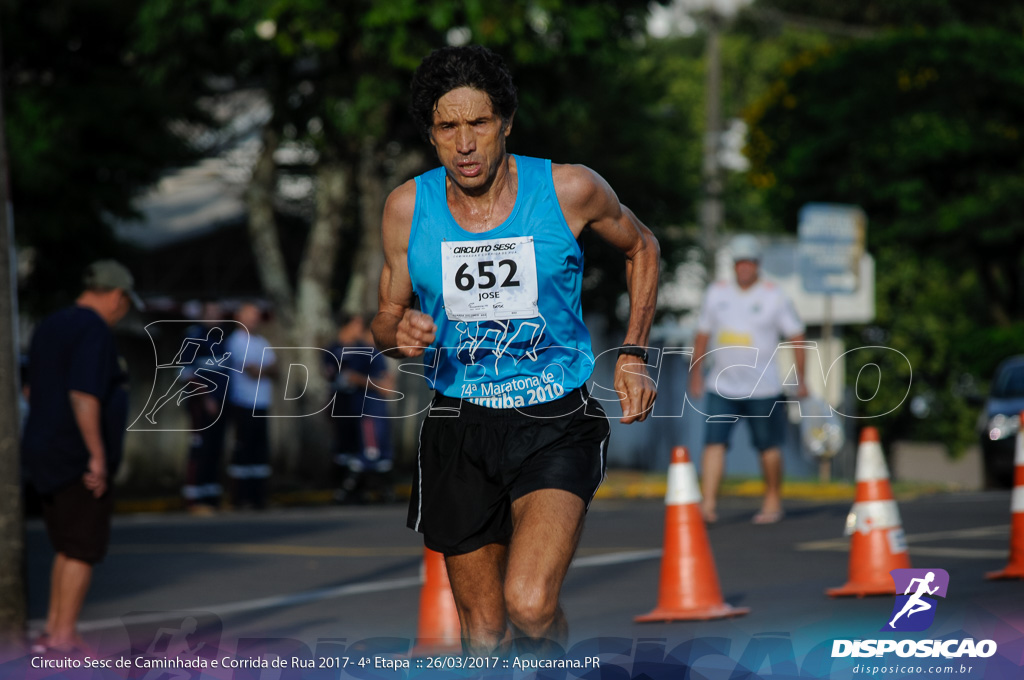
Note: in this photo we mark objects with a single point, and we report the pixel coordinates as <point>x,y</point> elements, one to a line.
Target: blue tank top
<point>506,301</point>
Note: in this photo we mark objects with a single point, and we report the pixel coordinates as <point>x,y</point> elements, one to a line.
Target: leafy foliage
<point>919,14</point>
<point>922,130</point>
<point>336,75</point>
<point>84,133</point>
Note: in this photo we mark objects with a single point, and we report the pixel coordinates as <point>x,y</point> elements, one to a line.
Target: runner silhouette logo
<point>914,610</point>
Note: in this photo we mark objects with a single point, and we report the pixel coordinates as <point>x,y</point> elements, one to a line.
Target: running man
<point>915,604</point>
<point>488,244</point>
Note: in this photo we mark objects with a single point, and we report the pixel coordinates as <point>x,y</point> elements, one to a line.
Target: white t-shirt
<point>744,329</point>
<point>244,390</point>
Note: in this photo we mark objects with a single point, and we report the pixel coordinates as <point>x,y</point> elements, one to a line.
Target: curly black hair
<point>449,68</point>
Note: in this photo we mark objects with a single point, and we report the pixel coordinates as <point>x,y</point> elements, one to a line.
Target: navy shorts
<point>472,466</point>
<point>766,420</point>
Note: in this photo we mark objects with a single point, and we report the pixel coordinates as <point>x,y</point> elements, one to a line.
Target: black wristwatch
<point>634,351</point>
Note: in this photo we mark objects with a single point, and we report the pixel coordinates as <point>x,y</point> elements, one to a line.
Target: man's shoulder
<point>573,180</point>
<point>404,192</point>
<point>73,321</point>
<point>239,336</point>
<point>722,288</point>
<point>401,204</point>
<point>247,347</point>
<point>772,290</point>
<point>258,341</point>
<point>582,193</point>
<point>76,314</point>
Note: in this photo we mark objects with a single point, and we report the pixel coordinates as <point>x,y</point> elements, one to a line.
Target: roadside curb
<point>619,484</point>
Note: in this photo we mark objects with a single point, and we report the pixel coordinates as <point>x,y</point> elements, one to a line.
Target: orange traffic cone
<point>689,589</point>
<point>877,544</point>
<point>1015,568</point>
<point>438,631</point>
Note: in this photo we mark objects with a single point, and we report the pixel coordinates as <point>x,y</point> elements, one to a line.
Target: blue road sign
<point>831,242</point>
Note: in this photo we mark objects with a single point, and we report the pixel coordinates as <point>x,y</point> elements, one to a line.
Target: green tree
<point>1007,15</point>
<point>922,130</point>
<point>85,134</point>
<point>752,54</point>
<point>336,75</point>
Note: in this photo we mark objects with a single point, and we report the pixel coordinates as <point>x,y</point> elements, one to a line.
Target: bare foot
<point>72,644</point>
<point>768,516</point>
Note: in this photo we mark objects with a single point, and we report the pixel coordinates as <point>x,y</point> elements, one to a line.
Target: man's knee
<point>483,633</point>
<point>483,625</point>
<point>489,622</point>
<point>532,609</point>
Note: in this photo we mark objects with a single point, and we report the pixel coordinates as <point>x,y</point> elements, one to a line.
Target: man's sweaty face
<point>468,137</point>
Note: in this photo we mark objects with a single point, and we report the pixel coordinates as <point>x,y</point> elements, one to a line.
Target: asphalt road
<point>348,578</point>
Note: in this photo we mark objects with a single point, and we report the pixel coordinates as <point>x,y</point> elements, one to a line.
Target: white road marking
<point>259,603</point>
<point>321,594</point>
<point>843,544</point>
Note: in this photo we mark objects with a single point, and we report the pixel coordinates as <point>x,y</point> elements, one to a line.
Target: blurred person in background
<point>250,392</point>
<point>362,449</point>
<point>735,318</point>
<point>72,443</point>
<point>207,423</point>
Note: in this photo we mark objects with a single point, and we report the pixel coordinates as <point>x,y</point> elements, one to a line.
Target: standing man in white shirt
<point>249,396</point>
<point>743,323</point>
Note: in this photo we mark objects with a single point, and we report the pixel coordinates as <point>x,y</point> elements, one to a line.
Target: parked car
<point>999,422</point>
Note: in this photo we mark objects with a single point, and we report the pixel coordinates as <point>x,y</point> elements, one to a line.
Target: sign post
<point>831,242</point>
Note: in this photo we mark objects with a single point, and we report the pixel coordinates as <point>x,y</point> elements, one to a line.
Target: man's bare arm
<point>384,384</point>
<point>86,408</point>
<point>800,359</point>
<point>588,201</point>
<point>399,330</point>
<point>261,370</point>
<point>700,348</point>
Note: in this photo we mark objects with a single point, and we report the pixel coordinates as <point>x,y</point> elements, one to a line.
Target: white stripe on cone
<point>682,485</point>
<point>871,462</point>
<point>1017,499</point>
<point>869,516</point>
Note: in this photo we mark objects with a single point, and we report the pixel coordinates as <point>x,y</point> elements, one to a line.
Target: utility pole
<point>711,209</point>
<point>12,530</point>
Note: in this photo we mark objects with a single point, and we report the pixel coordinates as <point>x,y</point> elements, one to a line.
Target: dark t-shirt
<point>72,349</point>
<point>350,399</point>
<point>209,349</point>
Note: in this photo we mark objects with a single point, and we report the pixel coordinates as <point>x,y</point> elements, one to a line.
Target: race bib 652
<point>489,280</point>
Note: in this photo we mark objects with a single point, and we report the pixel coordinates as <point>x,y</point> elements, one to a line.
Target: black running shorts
<point>472,465</point>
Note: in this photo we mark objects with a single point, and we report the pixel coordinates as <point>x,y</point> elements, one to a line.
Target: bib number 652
<point>485,276</point>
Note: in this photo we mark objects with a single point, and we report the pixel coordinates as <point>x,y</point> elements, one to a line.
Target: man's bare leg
<point>712,465</point>
<point>477,580</point>
<point>54,604</point>
<point>71,581</point>
<point>521,583</point>
<point>547,526</point>
<point>771,466</point>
